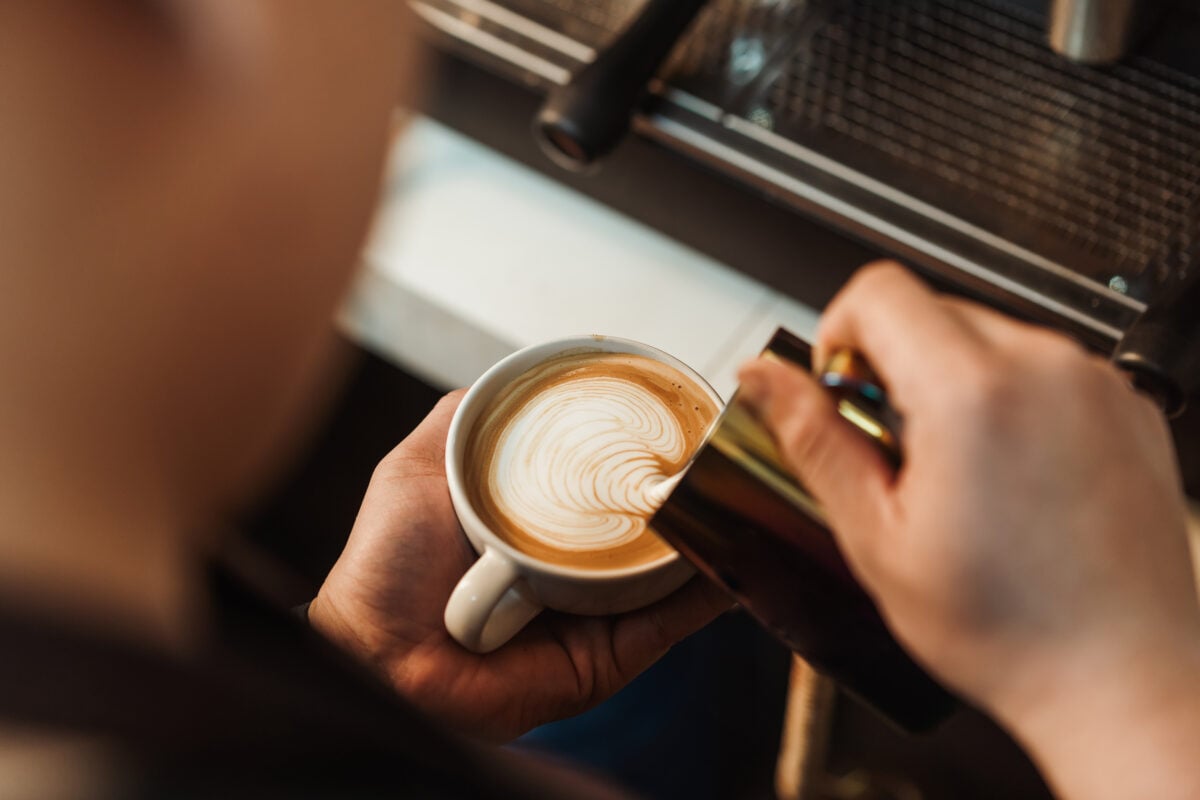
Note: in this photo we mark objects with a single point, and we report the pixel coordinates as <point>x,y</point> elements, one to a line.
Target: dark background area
<point>304,520</point>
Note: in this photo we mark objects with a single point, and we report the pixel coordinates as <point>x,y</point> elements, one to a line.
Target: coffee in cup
<point>552,460</point>
<point>562,464</point>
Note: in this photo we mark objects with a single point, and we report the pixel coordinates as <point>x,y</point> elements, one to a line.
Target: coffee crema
<point>562,464</point>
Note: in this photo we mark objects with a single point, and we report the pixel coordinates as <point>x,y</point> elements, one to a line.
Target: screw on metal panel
<point>762,118</point>
<point>746,57</point>
<point>1118,284</point>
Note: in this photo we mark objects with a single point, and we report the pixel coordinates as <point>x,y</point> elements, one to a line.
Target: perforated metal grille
<point>961,105</point>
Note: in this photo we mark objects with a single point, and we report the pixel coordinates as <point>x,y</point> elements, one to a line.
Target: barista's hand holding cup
<point>552,460</point>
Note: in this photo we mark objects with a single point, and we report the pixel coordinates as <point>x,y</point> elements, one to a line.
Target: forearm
<point>1134,735</point>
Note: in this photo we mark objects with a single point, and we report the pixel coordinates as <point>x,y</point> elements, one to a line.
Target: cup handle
<point>486,608</point>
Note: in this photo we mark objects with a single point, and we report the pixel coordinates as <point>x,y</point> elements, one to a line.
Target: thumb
<point>836,463</point>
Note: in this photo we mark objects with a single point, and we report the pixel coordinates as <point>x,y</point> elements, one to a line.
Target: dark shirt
<point>268,709</point>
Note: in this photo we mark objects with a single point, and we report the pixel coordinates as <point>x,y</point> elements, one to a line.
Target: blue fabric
<point>658,736</point>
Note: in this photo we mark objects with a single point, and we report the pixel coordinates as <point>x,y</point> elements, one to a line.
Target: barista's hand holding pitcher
<point>1032,551</point>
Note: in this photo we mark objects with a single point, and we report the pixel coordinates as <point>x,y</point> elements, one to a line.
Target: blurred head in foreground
<point>184,186</point>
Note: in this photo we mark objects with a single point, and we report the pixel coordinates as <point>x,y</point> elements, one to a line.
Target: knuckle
<point>871,279</point>
<point>868,281</point>
<point>881,269</point>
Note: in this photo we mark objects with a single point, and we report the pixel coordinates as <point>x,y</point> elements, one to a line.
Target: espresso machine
<point>1042,156</point>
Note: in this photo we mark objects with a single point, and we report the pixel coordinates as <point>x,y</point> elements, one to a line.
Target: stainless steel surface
<point>945,131</point>
<point>1093,31</point>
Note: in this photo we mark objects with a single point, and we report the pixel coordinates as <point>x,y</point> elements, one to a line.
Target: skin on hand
<point>385,598</point>
<point>1032,550</point>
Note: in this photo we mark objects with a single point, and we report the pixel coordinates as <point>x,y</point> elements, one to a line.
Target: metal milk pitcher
<point>741,518</point>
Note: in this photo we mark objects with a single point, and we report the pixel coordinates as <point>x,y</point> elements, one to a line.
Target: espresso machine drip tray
<point>945,131</point>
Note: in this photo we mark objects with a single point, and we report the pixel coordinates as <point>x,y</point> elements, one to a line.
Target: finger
<point>839,465</point>
<point>641,637</point>
<point>912,340</point>
<point>424,449</point>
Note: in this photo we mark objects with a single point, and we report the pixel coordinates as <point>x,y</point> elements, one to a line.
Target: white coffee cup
<point>506,587</point>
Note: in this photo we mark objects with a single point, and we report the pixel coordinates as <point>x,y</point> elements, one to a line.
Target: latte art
<point>565,462</point>
<point>576,464</point>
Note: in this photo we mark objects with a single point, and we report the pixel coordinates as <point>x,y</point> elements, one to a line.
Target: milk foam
<point>576,465</point>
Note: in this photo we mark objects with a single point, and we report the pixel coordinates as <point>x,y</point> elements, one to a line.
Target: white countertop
<point>474,255</point>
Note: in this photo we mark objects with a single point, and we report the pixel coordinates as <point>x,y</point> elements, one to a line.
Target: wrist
<point>1125,679</point>
<point>1105,723</point>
